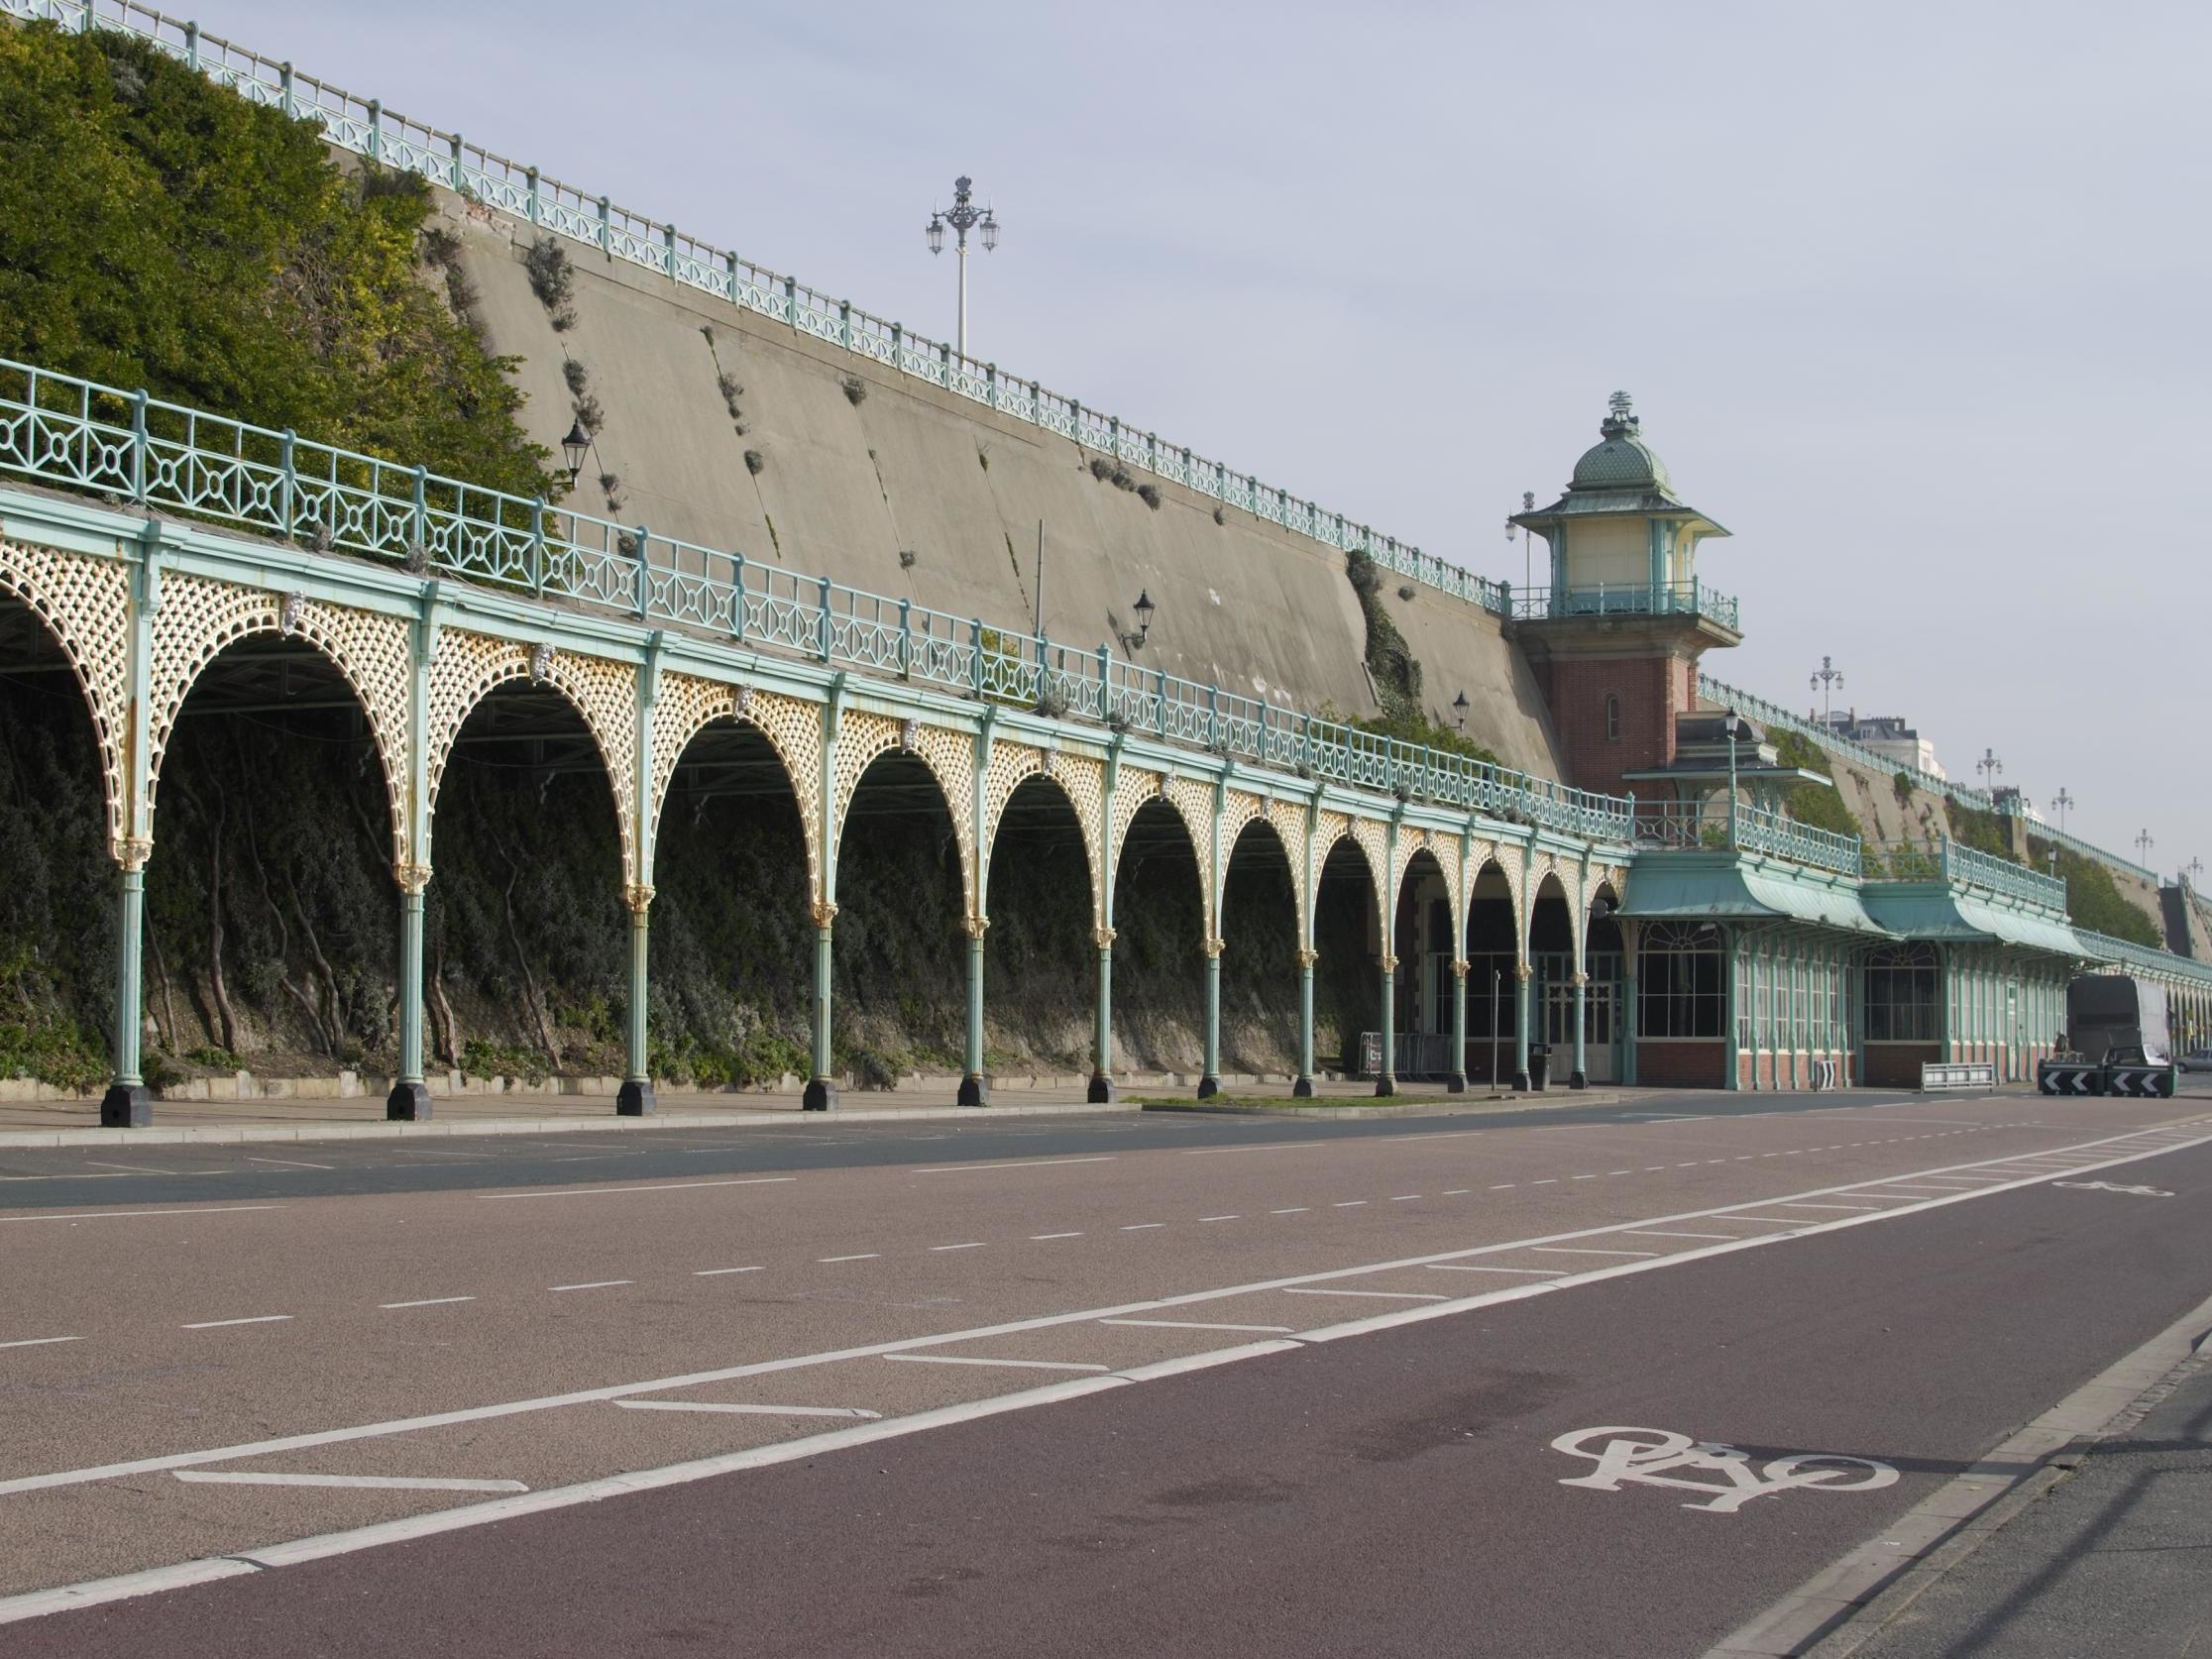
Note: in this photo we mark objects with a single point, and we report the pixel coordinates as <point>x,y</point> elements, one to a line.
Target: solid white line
<point>976,1245</point>
<point>717,1272</point>
<point>47,1600</point>
<point>256,1319</point>
<point>1649,1233</point>
<point>125,1169</point>
<point>1472,1268</point>
<point>1780,1220</point>
<point>1281,1145</point>
<point>428,1301</point>
<point>864,1256</point>
<point>125,1215</point>
<point>1036,1238</point>
<point>746,1410</point>
<point>592,1284</point>
<point>618,1191</point>
<point>1568,1250</point>
<point>1011,1164</point>
<point>1792,1205</point>
<point>1024,1365</point>
<point>1390,1296</point>
<point>37,1342</point>
<point>1195,1325</point>
<point>290,1162</point>
<point>379,1482</point>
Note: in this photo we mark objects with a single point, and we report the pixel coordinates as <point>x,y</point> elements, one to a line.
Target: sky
<point>1912,297</point>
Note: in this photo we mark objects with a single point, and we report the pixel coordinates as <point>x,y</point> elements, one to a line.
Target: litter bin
<point>1539,1064</point>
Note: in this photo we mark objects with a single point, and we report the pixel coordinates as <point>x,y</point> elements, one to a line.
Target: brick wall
<point>1650,690</point>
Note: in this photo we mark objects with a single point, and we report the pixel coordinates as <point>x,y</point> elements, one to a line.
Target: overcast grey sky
<point>1910,298</point>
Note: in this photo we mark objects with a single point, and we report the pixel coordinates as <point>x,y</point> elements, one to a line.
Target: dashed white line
<point>717,1272</point>
<point>1019,1364</point>
<point>428,1301</point>
<point>1199,1325</point>
<point>1471,1268</point>
<point>935,1249</point>
<point>1013,1164</point>
<point>863,1256</point>
<point>1388,1296</point>
<point>1566,1250</point>
<point>37,1342</point>
<point>1143,1226</point>
<point>592,1284</point>
<point>376,1482</point>
<point>126,1215</point>
<point>1653,1233</point>
<point>1221,1218</point>
<point>255,1319</point>
<point>619,1191</point>
<point>1347,1203</point>
<point>290,1162</point>
<point>1034,1238</point>
<point>746,1410</point>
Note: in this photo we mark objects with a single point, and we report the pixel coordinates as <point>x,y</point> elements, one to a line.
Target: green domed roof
<point>1623,461</point>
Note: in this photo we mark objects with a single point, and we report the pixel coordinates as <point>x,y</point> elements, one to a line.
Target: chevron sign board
<point>2070,1077</point>
<point>2147,1082</point>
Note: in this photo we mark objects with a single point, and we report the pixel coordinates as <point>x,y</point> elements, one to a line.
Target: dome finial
<point>1621,419</point>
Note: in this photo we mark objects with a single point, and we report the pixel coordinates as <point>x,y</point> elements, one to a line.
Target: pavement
<point>1146,1385</point>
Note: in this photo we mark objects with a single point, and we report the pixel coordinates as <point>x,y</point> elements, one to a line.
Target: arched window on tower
<point>1612,718</point>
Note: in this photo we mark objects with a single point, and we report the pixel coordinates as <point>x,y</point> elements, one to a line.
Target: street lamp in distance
<point>2059,803</point>
<point>962,216</point>
<point>1990,768</point>
<point>1825,679</point>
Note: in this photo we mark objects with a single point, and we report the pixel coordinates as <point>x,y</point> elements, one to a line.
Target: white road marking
<point>1039,1237</point>
<point>125,1169</point>
<point>1406,1199</point>
<point>2131,1145</point>
<point>125,1215</point>
<point>1221,1218</point>
<point>1505,1187</point>
<point>1650,1233</point>
<point>1022,1365</point>
<point>1777,1220</point>
<point>37,1342</point>
<point>978,1244</point>
<point>746,1410</point>
<point>1282,1146</point>
<point>620,1191</point>
<point>1457,1192</point>
<point>1794,1205</point>
<point>1657,1457</point>
<point>1568,1250</point>
<point>1143,1226</point>
<point>428,1301</point>
<point>1013,1164</point>
<point>1472,1268</point>
<point>1548,1180</point>
<point>1347,1203</point>
<point>1388,1296</point>
<point>1196,1325</point>
<point>717,1272</point>
<point>256,1319</point>
<point>592,1284</point>
<point>864,1256</point>
<point>379,1483</point>
<point>290,1162</point>
<point>1294,1210</point>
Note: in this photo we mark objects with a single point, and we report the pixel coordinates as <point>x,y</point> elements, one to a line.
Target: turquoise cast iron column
<point>409,1099</point>
<point>1625,1009</point>
<point>975,1088</point>
<point>822,1089</point>
<point>1579,1078</point>
<point>637,1097</point>
<point>1102,1091</point>
<point>127,1105</point>
<point>1301,1087</point>
<point>1521,974</point>
<point>1385,1078</point>
<point>1210,1084</point>
<point>1457,1083</point>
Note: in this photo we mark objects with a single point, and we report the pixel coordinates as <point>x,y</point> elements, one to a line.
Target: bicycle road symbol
<point>2114,1186</point>
<point>1662,1458</point>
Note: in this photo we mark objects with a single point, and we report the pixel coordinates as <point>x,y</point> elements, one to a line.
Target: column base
<point>635,1100</point>
<point>126,1106</point>
<point>1520,1082</point>
<point>1302,1089</point>
<point>1208,1087</point>
<point>1578,1080</point>
<point>1103,1091</point>
<point>1457,1084</point>
<point>975,1090</point>
<point>1384,1086</point>
<point>821,1096</point>
<point>407,1103</point>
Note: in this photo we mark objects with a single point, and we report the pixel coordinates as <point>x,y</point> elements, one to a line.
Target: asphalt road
<point>1387,1493</point>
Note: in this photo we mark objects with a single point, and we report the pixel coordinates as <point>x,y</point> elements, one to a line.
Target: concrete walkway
<point>2115,1561</point>
<point>66,1123</point>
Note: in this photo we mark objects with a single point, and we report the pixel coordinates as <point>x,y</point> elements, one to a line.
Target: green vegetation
<point>157,231</point>
<point>1984,831</point>
<point>2094,900</point>
<point>1823,809</point>
<point>1390,659</point>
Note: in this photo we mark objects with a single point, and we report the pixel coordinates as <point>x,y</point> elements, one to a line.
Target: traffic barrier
<point>2138,1082</point>
<point>1958,1074</point>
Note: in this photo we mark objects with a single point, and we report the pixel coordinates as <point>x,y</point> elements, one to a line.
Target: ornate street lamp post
<point>1824,681</point>
<point>963,215</point>
<point>2143,845</point>
<point>1990,768</point>
<point>2059,803</point>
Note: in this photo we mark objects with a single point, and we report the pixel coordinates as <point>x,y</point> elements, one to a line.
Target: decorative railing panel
<point>1680,599</point>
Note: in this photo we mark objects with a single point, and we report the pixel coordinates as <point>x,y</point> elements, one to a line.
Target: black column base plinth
<point>1208,1087</point>
<point>1520,1082</point>
<point>1578,1080</point>
<point>1302,1089</point>
<point>126,1106</point>
<point>1384,1086</point>
<point>1457,1083</point>
<point>407,1103</point>
<point>635,1100</point>
<point>821,1096</point>
<point>1102,1091</point>
<point>976,1091</point>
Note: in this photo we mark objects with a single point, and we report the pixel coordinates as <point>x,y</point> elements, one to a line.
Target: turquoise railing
<point>1678,598</point>
<point>2074,843</point>
<point>126,445</point>
<point>1941,859</point>
<point>366,127</point>
<point>1676,824</point>
<point>2104,948</point>
<point>1722,694</point>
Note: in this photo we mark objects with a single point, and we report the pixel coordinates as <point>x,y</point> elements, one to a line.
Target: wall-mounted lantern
<point>573,448</point>
<point>1459,710</point>
<point>1144,608</point>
